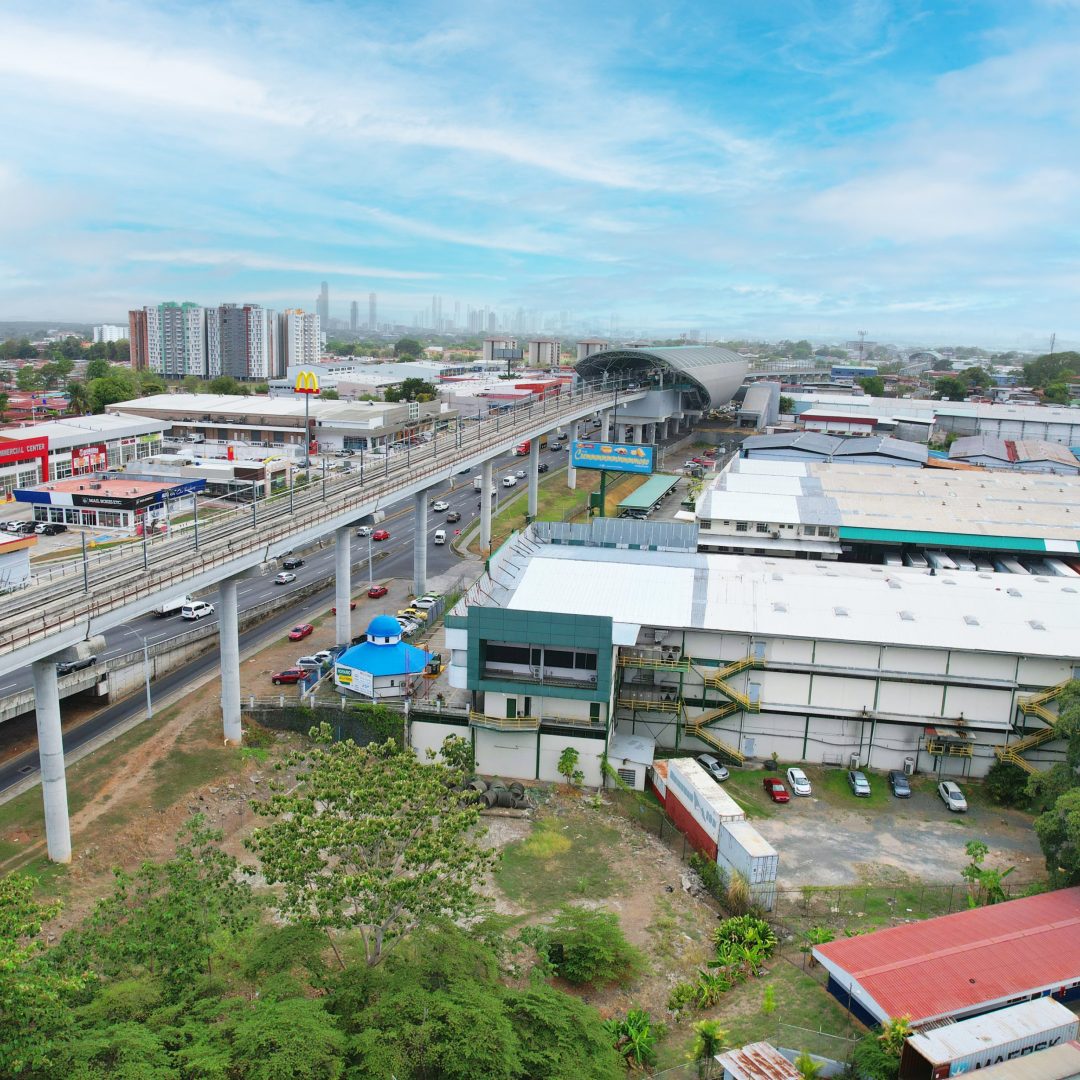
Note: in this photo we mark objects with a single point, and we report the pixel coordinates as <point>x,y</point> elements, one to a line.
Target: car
<point>292,564</point>
<point>440,505</point>
<point>417,615</point>
<point>377,592</point>
<point>689,464</point>
<point>899,784</point>
<point>284,578</point>
<point>49,528</point>
<point>324,656</point>
<point>542,467</point>
<point>380,534</point>
<point>289,675</point>
<point>798,782</point>
<point>66,667</point>
<point>352,607</point>
<point>428,600</point>
<point>509,481</point>
<point>364,530</point>
<point>952,796</point>
<point>520,474</point>
<point>775,789</point>
<point>301,631</point>
<point>309,663</point>
<point>858,783</point>
<point>713,766</point>
<point>198,609</point>
<point>453,516</point>
<point>346,452</point>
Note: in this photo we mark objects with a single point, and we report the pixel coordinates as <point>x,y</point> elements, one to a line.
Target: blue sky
<point>793,168</point>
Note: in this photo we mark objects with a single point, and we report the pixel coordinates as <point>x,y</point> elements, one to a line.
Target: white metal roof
<point>851,602</point>
<point>80,430</point>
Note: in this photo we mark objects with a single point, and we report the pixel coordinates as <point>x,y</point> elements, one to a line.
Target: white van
<point>196,610</point>
<point>509,481</point>
<point>440,536</point>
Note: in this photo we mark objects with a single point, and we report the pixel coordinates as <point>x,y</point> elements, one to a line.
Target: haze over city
<point>802,169</point>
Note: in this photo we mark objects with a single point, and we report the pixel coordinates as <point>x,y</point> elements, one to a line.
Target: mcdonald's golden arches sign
<point>307,382</point>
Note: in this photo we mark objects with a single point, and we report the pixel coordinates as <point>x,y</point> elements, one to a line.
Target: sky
<point>796,168</point>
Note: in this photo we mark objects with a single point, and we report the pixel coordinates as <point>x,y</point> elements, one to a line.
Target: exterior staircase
<point>718,680</point>
<point>1033,706</point>
<point>726,750</point>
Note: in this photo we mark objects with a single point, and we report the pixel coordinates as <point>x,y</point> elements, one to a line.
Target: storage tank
<point>987,1040</point>
<point>742,848</point>
<point>698,805</point>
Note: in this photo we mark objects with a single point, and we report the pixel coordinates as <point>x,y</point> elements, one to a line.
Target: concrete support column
<point>534,476</point>
<point>229,645</point>
<point>343,584</point>
<point>420,514</point>
<point>571,472</point>
<point>639,430</point>
<point>486,480</point>
<point>51,759</point>
<point>605,425</point>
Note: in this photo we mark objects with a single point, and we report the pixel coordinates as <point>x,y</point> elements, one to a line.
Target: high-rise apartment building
<point>175,339</point>
<point>372,320</point>
<point>241,341</point>
<point>354,316</point>
<point>108,332</point>
<point>299,339</point>
<point>140,356</point>
<point>322,305</point>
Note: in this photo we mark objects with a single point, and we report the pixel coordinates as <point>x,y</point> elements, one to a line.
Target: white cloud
<point>253,261</point>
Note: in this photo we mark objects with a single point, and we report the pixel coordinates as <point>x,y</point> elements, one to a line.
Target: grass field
<point>564,858</point>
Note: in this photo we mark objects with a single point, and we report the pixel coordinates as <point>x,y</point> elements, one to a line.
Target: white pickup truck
<point>172,607</point>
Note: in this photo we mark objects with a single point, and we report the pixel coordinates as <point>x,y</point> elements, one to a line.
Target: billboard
<point>611,456</point>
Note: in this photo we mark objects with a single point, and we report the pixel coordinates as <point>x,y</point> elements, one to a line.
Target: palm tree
<point>709,1040</point>
<point>78,398</point>
<point>808,1068</point>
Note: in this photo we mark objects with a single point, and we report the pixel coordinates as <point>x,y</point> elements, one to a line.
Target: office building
<point>107,332</point>
<point>176,340</point>
<point>299,339</point>
<point>241,341</point>
<point>354,316</point>
<point>372,312</point>
<point>322,305</point>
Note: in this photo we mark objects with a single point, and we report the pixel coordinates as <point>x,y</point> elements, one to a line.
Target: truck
<point>172,607</point>
<point>478,485</point>
<point>522,449</point>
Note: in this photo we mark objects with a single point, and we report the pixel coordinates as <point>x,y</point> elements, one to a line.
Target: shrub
<point>682,998</point>
<point>746,930</point>
<point>712,877</point>
<point>737,894</point>
<point>636,1037</point>
<point>586,947</point>
<point>1007,784</point>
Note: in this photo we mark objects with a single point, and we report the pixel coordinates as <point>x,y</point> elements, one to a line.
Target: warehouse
<point>623,626</point>
<point>1022,455</point>
<point>963,964</point>
<point>815,446</point>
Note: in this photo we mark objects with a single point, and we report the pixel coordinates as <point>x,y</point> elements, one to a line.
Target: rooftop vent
<point>907,616</point>
<point>777,606</point>
<point>1014,592</point>
<point>894,584</point>
<point>1035,624</point>
<point>971,620</point>
<point>841,611</point>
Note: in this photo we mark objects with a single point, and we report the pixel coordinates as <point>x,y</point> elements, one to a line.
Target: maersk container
<point>986,1040</point>
<point>740,847</point>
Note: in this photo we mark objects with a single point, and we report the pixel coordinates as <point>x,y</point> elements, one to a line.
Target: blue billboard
<point>611,456</point>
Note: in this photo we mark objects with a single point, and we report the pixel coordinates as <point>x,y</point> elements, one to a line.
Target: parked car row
<point>42,528</point>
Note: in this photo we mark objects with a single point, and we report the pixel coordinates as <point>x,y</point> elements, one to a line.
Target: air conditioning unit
<point>853,761</point>
<point>909,766</point>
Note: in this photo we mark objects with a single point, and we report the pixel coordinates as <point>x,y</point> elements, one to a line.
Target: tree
<point>976,377</point>
<point>568,766</point>
<point>874,385</point>
<point>330,395</point>
<point>97,368</point>
<point>709,1040</point>
<point>225,384</point>
<point>78,398</point>
<point>3,404</point>
<point>1057,394</point>
<point>809,1068</point>
<point>1052,368</point>
<point>411,390</point>
<point>150,382</point>
<point>787,405</point>
<point>288,1040</point>
<point>29,378</point>
<point>951,388</point>
<point>20,349</point>
<point>1007,784</point>
<point>984,883</point>
<point>409,347</point>
<point>370,839</point>
<point>1058,830</point>
<point>32,994</point>
<point>119,384</point>
<point>586,947</point>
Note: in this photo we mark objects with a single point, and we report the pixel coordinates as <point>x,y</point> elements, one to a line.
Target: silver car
<point>952,796</point>
<point>714,767</point>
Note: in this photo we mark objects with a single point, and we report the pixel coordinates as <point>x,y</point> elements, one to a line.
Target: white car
<point>798,782</point>
<point>196,610</point>
<point>284,578</point>
<point>952,796</point>
<point>520,474</point>
<point>423,603</point>
<point>440,504</point>
<point>308,663</point>
<point>364,530</point>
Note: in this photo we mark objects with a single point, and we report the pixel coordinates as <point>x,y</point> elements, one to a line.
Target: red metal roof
<point>951,963</point>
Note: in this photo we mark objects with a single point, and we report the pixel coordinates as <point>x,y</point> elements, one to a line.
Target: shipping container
<point>658,779</point>
<point>987,1040</point>
<point>1057,1063</point>
<point>697,804</point>
<point>741,848</point>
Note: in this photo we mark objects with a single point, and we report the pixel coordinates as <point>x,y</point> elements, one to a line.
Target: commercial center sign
<point>611,456</point>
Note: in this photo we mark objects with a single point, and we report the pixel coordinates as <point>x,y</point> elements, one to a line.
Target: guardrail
<point>169,564</point>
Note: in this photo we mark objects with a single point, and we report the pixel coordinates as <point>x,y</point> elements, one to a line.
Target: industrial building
<point>814,446</point>
<point>760,406</point>
<point>1021,455</point>
<point>580,632</point>
<point>960,965</point>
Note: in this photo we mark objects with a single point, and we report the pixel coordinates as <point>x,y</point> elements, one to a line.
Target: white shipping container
<point>740,847</point>
<point>987,1040</point>
<point>705,800</point>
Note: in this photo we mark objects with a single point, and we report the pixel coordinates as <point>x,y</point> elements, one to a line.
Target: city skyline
<point>803,169</point>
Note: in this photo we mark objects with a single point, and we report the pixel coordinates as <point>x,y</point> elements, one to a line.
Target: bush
<point>682,998</point>
<point>636,1037</point>
<point>747,931</point>
<point>712,877</point>
<point>586,947</point>
<point>1007,784</point>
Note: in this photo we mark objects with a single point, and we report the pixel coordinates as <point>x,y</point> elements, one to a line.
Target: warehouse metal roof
<point>645,497</point>
<point>955,963</point>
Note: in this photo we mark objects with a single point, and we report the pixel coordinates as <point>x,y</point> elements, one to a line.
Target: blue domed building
<point>383,666</point>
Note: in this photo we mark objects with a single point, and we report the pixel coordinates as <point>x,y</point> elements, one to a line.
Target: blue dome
<point>384,626</point>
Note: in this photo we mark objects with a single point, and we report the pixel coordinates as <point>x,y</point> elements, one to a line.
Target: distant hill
<point>16,328</point>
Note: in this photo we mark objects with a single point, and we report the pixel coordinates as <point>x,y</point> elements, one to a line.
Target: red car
<point>352,607</point>
<point>376,592</point>
<point>289,675</point>
<point>775,789</point>
<point>298,633</point>
<point>380,534</point>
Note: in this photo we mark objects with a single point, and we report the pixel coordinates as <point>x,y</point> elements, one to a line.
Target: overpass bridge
<point>89,596</point>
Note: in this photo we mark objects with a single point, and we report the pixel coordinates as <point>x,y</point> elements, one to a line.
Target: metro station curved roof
<point>714,373</point>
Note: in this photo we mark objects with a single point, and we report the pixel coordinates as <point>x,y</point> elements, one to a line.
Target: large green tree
<point>951,388</point>
<point>119,384</point>
<point>874,385</point>
<point>1052,368</point>
<point>370,839</point>
<point>29,378</point>
<point>407,347</point>
<point>411,390</point>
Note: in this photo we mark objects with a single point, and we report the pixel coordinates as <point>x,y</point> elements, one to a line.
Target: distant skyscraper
<point>372,313</point>
<point>108,332</point>
<point>175,339</point>
<point>492,322</point>
<point>354,316</point>
<point>241,341</point>
<point>322,306</point>
<point>140,358</point>
<point>299,339</point>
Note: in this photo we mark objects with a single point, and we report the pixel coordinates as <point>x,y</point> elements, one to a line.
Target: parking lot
<point>833,838</point>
